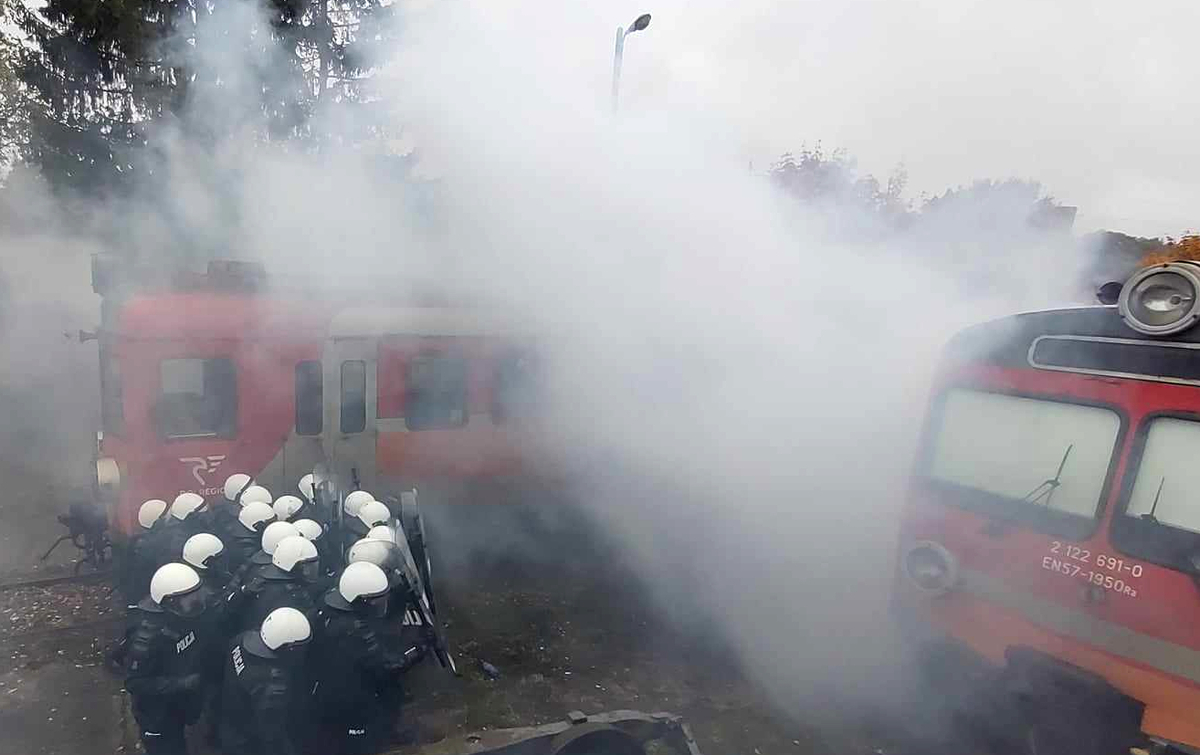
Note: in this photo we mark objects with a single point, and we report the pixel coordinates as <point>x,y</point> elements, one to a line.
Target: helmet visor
<point>188,605</point>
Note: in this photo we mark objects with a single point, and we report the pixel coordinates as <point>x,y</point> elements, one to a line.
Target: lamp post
<point>641,22</point>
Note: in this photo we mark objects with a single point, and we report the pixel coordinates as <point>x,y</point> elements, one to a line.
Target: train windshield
<point>1044,462</point>
<point>1168,476</point>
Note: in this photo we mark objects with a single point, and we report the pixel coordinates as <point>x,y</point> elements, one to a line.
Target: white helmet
<point>292,550</point>
<point>256,493</point>
<point>382,532</point>
<point>276,532</point>
<point>171,580</point>
<point>235,484</point>
<point>372,551</point>
<point>150,512</point>
<point>306,486</point>
<point>287,506</point>
<point>256,515</point>
<point>284,627</point>
<point>186,504</point>
<point>309,529</point>
<point>373,513</point>
<point>355,500</point>
<point>362,579</point>
<point>200,547</point>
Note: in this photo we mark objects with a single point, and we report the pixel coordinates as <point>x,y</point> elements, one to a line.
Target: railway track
<point>90,577</point>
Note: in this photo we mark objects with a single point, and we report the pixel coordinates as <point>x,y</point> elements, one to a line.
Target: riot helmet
<point>256,493</point>
<point>298,556</point>
<point>235,484</point>
<point>374,513</point>
<point>309,529</point>
<point>286,507</point>
<point>355,501</point>
<point>186,504</point>
<point>175,587</point>
<point>204,551</point>
<point>150,512</point>
<point>256,516</point>
<point>275,533</point>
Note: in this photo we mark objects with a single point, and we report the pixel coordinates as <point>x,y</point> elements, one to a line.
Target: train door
<point>349,366</point>
<point>303,450</point>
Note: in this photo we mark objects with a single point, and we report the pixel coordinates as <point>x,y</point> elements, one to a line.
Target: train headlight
<point>1162,300</point>
<point>931,567</point>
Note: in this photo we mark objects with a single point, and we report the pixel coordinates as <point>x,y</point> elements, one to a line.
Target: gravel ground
<point>37,609</point>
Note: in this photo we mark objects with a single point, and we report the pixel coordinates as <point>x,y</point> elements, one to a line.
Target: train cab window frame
<point>443,406</point>
<point>514,387</point>
<point>197,398</point>
<point>1038,463</point>
<point>1147,523</point>
<point>352,416</point>
<point>309,398</point>
<point>112,394</point>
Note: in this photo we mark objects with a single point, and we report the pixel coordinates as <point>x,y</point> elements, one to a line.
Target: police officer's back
<point>265,687</point>
<point>167,656</point>
<point>246,536</point>
<point>286,581</point>
<point>354,666</point>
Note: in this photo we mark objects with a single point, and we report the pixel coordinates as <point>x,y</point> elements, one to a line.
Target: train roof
<point>221,315</point>
<point>1090,340</point>
<point>358,322</point>
<point>248,316</point>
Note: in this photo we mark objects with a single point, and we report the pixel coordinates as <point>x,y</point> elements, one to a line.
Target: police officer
<point>225,513</point>
<point>287,581</point>
<point>265,688</point>
<point>166,658</point>
<point>355,668</point>
<point>246,535</point>
<point>205,553</point>
<point>355,527</point>
<point>287,508</point>
<point>311,530</point>
<point>188,515</point>
<point>142,556</point>
<point>274,533</point>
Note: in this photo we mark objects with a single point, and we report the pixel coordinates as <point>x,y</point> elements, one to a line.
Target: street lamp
<point>641,22</point>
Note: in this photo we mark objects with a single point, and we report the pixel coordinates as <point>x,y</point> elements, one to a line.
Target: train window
<point>1161,519</point>
<point>309,398</point>
<point>1044,462</point>
<point>198,398</point>
<point>354,397</point>
<point>112,401</point>
<point>513,396</point>
<point>435,392</point>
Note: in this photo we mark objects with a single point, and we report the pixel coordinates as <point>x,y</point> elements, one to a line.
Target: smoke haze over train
<point>750,373</point>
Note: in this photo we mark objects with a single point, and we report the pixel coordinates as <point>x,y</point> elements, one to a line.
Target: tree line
<point>84,83</point>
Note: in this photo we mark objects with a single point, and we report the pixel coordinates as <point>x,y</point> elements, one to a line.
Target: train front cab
<point>1053,520</point>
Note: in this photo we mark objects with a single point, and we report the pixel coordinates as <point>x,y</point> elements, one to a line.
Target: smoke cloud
<point>736,379</point>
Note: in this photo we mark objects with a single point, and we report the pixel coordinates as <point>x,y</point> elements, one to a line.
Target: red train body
<point>200,382</point>
<point>1053,512</point>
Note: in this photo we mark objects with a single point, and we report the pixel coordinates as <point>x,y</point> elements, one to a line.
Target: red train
<point>206,375</point>
<point>1052,531</point>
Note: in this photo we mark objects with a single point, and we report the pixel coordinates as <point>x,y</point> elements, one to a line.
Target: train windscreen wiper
<point>1149,516</point>
<point>1044,492</point>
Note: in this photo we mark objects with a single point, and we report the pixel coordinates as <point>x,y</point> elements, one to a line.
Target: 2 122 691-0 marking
<point>1073,561</point>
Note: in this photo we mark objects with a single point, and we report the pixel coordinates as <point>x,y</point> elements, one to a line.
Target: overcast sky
<point>1096,99</point>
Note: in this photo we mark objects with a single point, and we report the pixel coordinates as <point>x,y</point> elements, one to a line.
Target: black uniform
<point>357,678</point>
<point>148,552</point>
<point>269,587</point>
<point>224,519</point>
<point>241,546</point>
<point>263,698</point>
<point>353,529</point>
<point>165,674</point>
